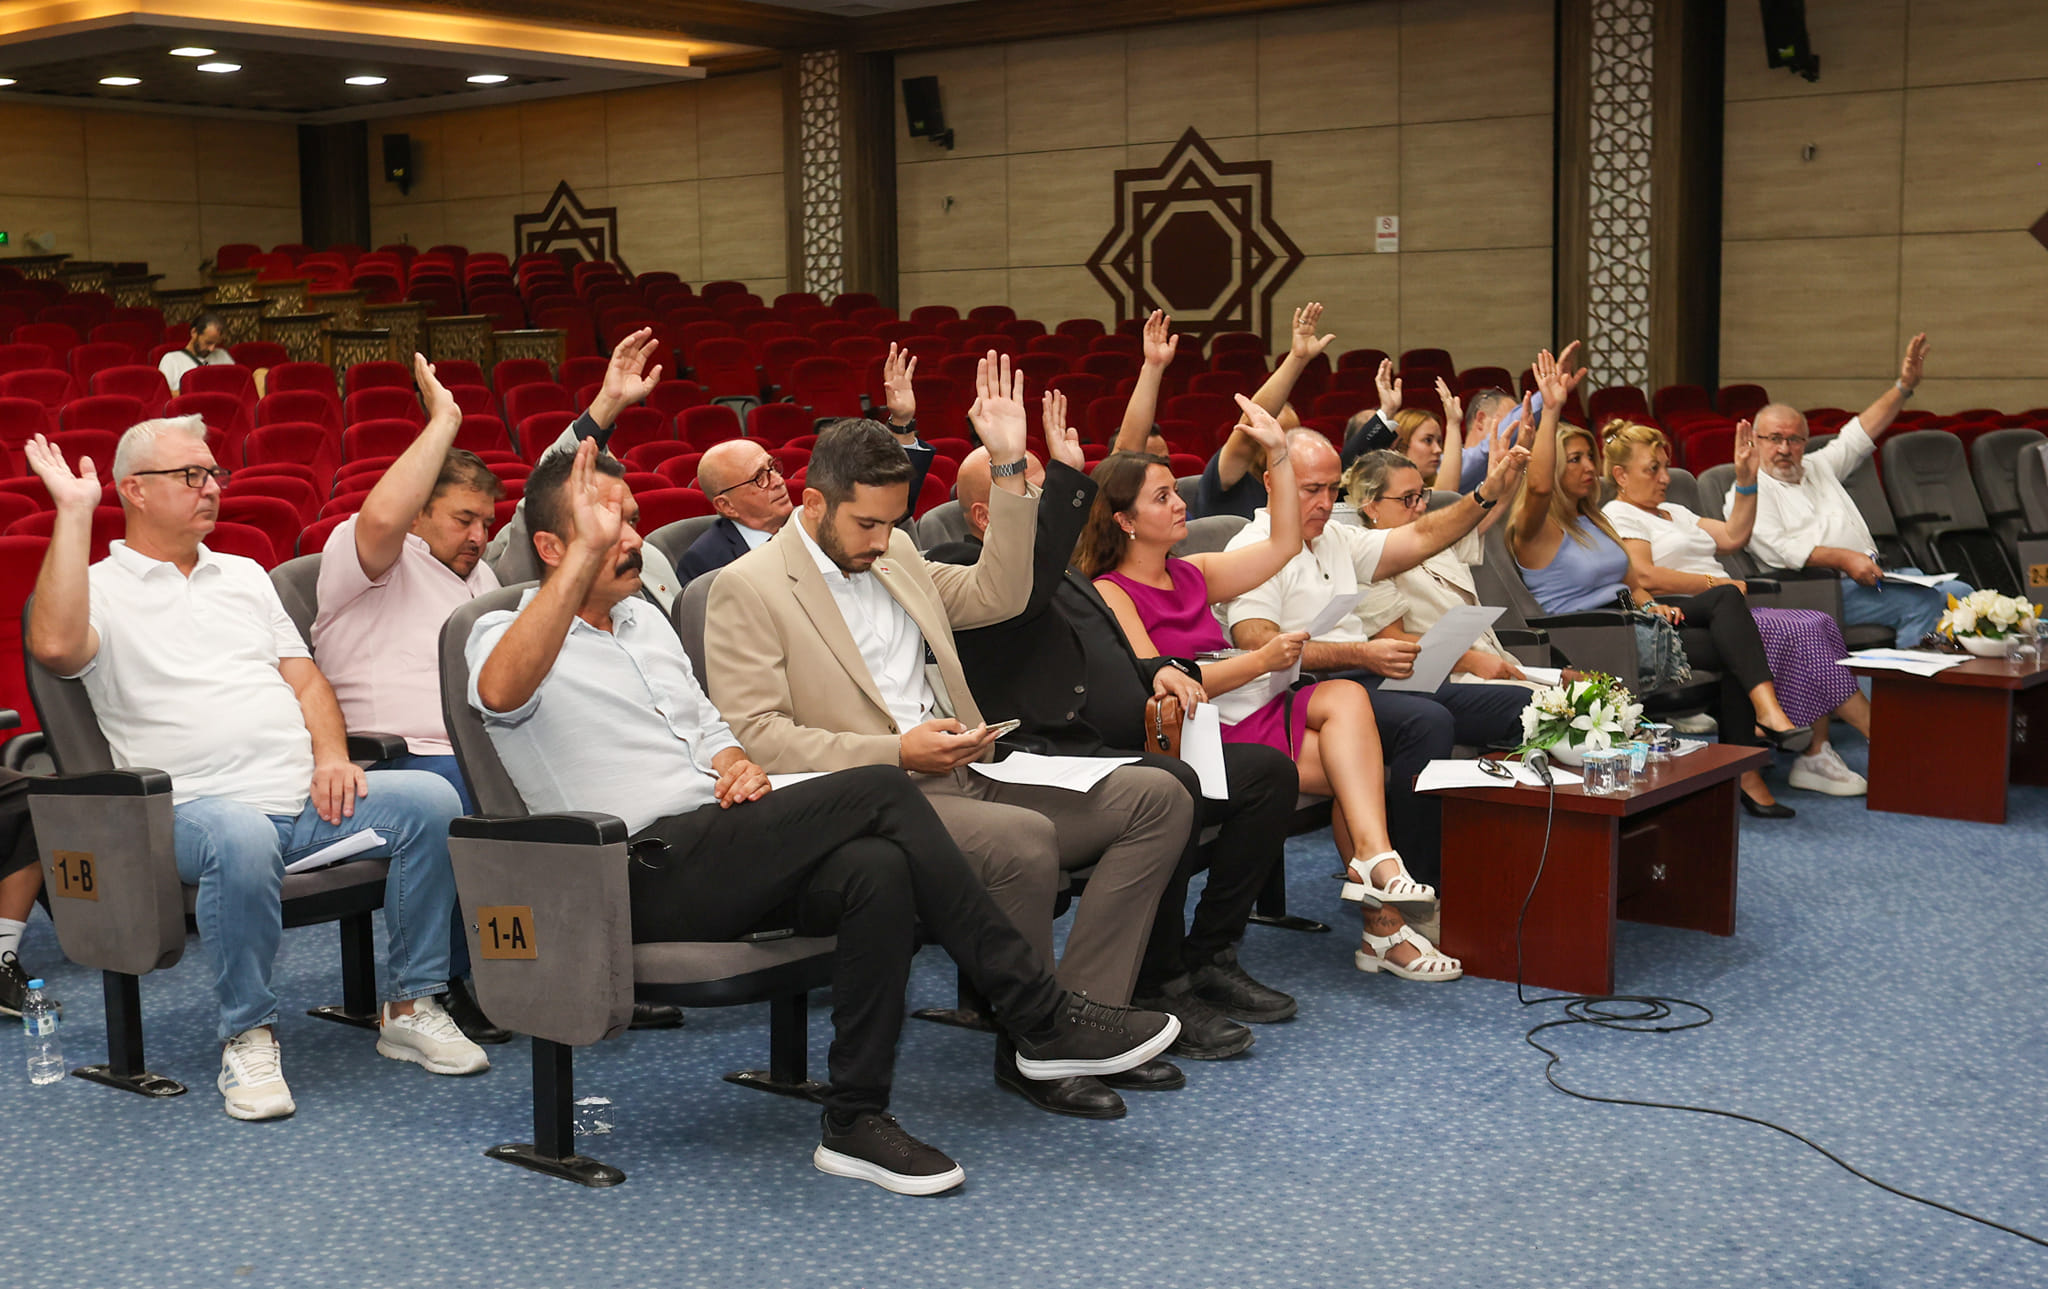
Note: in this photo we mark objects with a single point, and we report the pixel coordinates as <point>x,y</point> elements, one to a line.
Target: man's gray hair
<point>1780,412</point>
<point>1485,401</point>
<point>138,443</point>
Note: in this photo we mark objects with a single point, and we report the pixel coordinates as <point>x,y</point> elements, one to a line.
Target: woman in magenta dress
<point>1163,602</point>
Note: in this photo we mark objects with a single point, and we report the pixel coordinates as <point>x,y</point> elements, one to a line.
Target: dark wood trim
<point>1685,192</point>
<point>1571,124</point>
<point>867,150</point>
<point>731,21</point>
<point>987,22</point>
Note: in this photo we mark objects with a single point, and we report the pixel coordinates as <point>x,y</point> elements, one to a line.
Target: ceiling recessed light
<point>192,51</point>
<point>120,80</point>
<point>6,81</point>
<point>220,67</point>
<point>366,80</point>
<point>489,78</point>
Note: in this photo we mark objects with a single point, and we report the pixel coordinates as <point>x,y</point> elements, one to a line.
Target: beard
<point>828,541</point>
<point>1792,474</point>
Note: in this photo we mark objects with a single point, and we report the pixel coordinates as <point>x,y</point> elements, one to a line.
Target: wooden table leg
<point>1939,750</point>
<point>1489,858</point>
<point>1678,863</point>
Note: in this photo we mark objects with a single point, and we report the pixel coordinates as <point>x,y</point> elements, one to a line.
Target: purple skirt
<point>1803,645</point>
<point>1281,724</point>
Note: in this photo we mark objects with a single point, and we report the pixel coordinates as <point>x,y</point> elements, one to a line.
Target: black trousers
<point>858,854</point>
<point>1416,729</point>
<point>1251,842</point>
<point>17,834</point>
<point>1720,635</point>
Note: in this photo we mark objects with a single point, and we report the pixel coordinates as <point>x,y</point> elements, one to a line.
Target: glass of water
<point>1638,759</point>
<point>2022,643</point>
<point>1659,738</point>
<point>1605,773</point>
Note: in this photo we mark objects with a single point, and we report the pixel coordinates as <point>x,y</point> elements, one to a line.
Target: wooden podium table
<point>1664,853</point>
<point>1949,744</point>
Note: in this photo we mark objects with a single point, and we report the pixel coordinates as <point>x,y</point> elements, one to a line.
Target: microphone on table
<point>1539,761</point>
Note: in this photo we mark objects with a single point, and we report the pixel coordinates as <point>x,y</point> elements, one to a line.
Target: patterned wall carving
<point>819,173</point>
<point>1195,236</point>
<point>1618,254</point>
<point>566,224</point>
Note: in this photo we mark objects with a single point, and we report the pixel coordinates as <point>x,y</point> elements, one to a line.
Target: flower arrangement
<point>1590,714</point>
<point>1981,621</point>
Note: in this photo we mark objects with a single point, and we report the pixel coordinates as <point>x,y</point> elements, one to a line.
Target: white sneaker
<point>1823,771</point>
<point>429,1037</point>
<point>252,1077</point>
<point>1697,723</point>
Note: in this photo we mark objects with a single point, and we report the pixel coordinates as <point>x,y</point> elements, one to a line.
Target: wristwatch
<point>1484,503</point>
<point>1008,469</point>
<point>1905,390</point>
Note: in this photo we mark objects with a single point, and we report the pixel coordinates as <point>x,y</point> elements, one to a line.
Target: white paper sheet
<point>1445,643</point>
<point>1686,746</point>
<point>1333,613</point>
<point>777,782</point>
<point>334,852</point>
<point>1201,746</point>
<point>1440,775</point>
<point>1543,675</point>
<point>1073,773</point>
<point>1920,579</point>
<point>1917,662</point>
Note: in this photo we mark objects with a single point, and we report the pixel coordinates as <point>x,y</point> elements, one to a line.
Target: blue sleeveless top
<point>1579,577</point>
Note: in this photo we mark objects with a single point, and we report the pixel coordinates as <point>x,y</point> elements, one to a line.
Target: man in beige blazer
<point>831,646</point>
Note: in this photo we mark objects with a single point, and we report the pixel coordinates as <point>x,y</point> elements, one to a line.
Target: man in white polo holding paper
<point>1318,591</point>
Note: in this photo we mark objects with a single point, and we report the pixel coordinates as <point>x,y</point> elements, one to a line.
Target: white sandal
<point>1400,889</point>
<point>1431,966</point>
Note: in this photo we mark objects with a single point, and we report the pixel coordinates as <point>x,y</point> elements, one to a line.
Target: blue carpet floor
<point>1880,995</point>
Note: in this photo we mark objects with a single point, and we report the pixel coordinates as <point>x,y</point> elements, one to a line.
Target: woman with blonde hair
<point>1672,552</point>
<point>1572,560</point>
<point>1163,603</point>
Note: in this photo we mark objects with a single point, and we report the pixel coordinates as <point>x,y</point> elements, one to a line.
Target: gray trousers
<point>1132,826</point>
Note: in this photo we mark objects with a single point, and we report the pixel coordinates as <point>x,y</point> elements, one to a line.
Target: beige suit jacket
<point>783,669</point>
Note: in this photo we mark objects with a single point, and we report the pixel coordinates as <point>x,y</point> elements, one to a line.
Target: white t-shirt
<point>1677,543</point>
<point>1341,562</point>
<point>1793,518</point>
<point>176,363</point>
<point>186,679</point>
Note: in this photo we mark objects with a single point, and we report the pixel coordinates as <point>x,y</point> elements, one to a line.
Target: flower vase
<point>1563,753</point>
<point>1982,646</point>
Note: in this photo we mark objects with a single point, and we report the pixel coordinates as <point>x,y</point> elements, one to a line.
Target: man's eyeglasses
<point>195,476</point>
<point>765,477</point>
<point>1780,440</point>
<point>1413,500</point>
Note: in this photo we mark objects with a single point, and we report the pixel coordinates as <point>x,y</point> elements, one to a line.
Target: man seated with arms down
<point>194,668</point>
<point>1341,560</point>
<point>1065,669</point>
<point>1805,517</point>
<point>834,648</point>
<point>592,705</point>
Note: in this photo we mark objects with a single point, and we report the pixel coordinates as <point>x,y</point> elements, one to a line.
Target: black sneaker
<point>461,1007</point>
<point>657,1016</point>
<point>1205,1033</point>
<point>1091,1038</point>
<point>877,1149</point>
<point>13,984</point>
<point>1230,989</point>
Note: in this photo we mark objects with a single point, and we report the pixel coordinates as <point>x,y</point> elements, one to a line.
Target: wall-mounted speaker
<point>1785,40</point>
<point>921,109</point>
<point>398,160</point>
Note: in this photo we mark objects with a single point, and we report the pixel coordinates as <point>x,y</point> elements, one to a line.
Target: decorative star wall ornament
<point>566,224</point>
<point>1195,236</point>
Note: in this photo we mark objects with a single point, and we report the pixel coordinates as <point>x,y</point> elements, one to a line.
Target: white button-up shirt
<point>186,679</point>
<point>890,643</point>
<point>619,726</point>
<point>1793,518</point>
<point>1341,562</point>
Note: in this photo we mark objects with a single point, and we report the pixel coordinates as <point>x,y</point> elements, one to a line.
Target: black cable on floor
<point>1647,1014</point>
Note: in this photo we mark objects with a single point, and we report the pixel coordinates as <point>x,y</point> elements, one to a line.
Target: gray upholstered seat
<point>1995,465</point>
<point>1208,534</point>
<point>674,540</point>
<point>945,522</point>
<point>1927,480</point>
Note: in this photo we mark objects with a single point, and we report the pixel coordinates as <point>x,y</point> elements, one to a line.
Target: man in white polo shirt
<point>194,668</point>
<point>206,347</point>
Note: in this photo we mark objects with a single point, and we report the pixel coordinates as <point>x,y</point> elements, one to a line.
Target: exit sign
<point>3,237</point>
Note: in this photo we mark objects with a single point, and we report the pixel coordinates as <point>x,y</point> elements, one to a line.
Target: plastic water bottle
<point>593,1116</point>
<point>39,1024</point>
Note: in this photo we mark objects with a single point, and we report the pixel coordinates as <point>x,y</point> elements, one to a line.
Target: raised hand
<point>1745,453</point>
<point>898,370</point>
<point>1454,411</point>
<point>1259,423</point>
<point>627,379</point>
<point>1160,342</point>
<point>597,521</point>
<point>1384,381</point>
<point>1555,378</point>
<point>1524,429</point>
<point>1506,459</point>
<point>1305,344</point>
<point>440,404</point>
<point>1911,368</point>
<point>998,411</point>
<point>68,491</point>
<point>1062,441</point>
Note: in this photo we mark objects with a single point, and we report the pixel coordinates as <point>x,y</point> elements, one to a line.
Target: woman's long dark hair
<point>1118,481</point>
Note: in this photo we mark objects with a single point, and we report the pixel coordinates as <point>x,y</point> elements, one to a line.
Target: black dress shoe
<point>1205,1033</point>
<point>1796,739</point>
<point>470,1018</point>
<point>657,1016</point>
<point>1152,1076</point>
<point>1082,1097</point>
<point>1230,989</point>
<point>1773,811</point>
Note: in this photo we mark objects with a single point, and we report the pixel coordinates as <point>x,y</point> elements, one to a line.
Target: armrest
<point>570,828</point>
<point>371,746</point>
<point>1521,636</point>
<point>1801,574</point>
<point>1589,618</point>
<point>1763,585</point>
<point>104,783</point>
<point>10,719</point>
<point>1925,517</point>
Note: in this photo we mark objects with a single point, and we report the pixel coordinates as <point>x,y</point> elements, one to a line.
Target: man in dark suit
<point>752,501</point>
<point>1064,668</point>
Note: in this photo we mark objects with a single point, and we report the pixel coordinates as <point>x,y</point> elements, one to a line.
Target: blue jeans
<point>448,768</point>
<point>1910,611</point>
<point>235,854</point>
